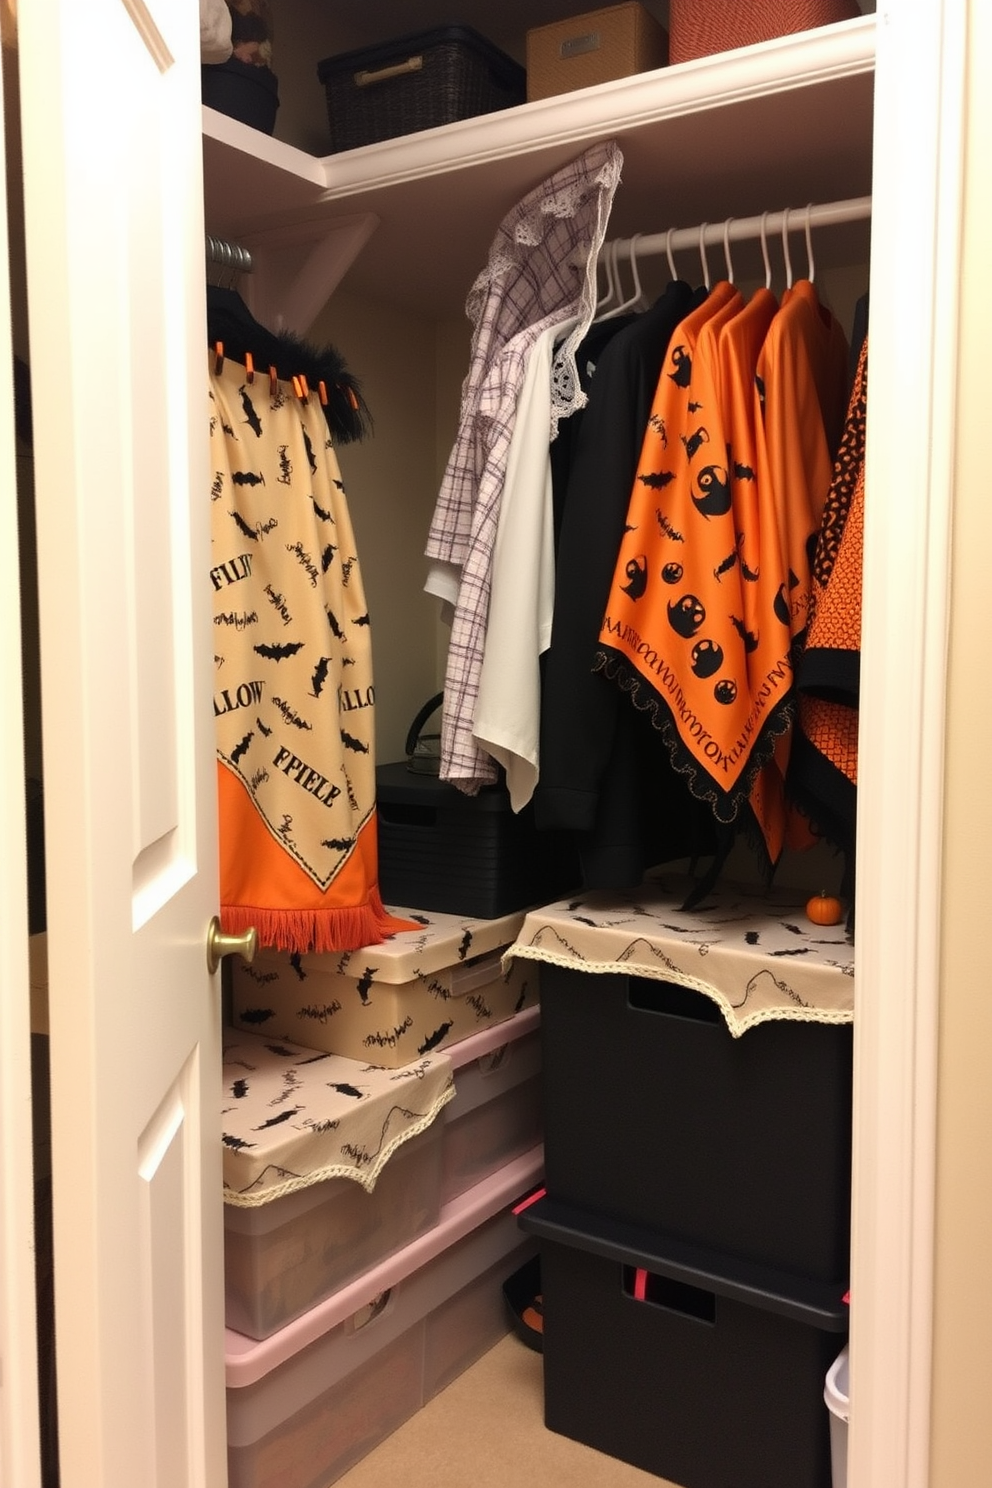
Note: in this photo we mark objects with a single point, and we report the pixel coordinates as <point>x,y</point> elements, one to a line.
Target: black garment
<point>602,775</point>
<point>230,322</point>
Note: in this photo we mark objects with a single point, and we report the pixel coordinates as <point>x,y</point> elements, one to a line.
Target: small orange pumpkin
<point>824,909</point>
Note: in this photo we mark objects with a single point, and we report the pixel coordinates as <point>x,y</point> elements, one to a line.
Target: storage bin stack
<point>368,1224</point>
<point>695,1229</point>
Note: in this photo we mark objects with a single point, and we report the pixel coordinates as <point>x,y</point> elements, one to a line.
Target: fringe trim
<point>305,930</point>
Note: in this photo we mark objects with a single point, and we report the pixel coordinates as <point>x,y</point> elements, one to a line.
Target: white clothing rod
<point>742,229</point>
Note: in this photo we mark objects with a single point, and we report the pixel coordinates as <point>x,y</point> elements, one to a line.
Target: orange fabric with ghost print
<point>675,635</point>
<point>702,618</point>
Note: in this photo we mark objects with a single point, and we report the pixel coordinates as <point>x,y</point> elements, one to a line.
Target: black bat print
<point>282,1051</point>
<point>420,919</point>
<point>365,983</point>
<point>247,478</point>
<point>239,1089</point>
<point>694,407</point>
<point>319,676</point>
<point>347,661</point>
<point>228,430</point>
<point>309,449</point>
<point>242,526</point>
<point>748,637</point>
<point>433,1039</point>
<point>279,653</point>
<point>240,750</point>
<point>463,949</point>
<point>336,630</point>
<point>667,527</point>
<point>725,566</point>
<point>583,921</point>
<point>751,574</point>
<point>256,1015</point>
<point>251,417</point>
<point>363,619</point>
<point>344,1089</point>
<point>575,904</point>
<point>742,472</point>
<point>327,557</point>
<point>338,844</point>
<point>657,479</point>
<point>521,999</point>
<point>324,516</point>
<point>236,1142</point>
<point>355,745</point>
<point>297,965</point>
<point>795,930</point>
<point>792,951</point>
<point>751,936</point>
<point>262,729</point>
<point>278,1120</point>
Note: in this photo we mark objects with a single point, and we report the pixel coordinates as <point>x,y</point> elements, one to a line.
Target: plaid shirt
<point>539,264</point>
<point>463,761</point>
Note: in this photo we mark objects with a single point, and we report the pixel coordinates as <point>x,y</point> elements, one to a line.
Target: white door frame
<point>19,1437</point>
<point>917,203</point>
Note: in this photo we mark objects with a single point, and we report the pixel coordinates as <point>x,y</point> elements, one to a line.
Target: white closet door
<point>113,180</point>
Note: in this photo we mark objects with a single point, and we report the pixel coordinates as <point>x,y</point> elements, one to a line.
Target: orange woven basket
<point>696,28</point>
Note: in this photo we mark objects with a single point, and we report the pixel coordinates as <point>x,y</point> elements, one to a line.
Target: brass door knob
<point>219,944</point>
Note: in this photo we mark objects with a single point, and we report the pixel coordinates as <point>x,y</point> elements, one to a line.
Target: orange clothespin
<point>322,393</point>
<point>250,366</point>
<point>297,387</point>
<point>218,358</point>
<point>352,399</point>
<point>273,381</point>
<point>305,387</point>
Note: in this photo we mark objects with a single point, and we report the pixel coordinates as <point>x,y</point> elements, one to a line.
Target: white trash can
<point>837,1392</point>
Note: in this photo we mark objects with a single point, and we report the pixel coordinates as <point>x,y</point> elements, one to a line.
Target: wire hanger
<point>726,250</point>
<point>785,248</point>
<point>811,267</point>
<point>764,251</point>
<point>702,253</point>
<point>671,257</point>
<point>637,300</point>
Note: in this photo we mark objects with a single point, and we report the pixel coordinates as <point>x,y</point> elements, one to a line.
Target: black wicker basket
<point>416,82</point>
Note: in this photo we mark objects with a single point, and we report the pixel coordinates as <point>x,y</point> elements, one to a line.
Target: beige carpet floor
<point>486,1430</point>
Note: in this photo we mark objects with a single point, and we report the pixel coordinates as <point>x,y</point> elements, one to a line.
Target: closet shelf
<point>701,141</point>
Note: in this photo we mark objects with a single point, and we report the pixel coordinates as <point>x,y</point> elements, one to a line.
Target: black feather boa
<point>230,322</point>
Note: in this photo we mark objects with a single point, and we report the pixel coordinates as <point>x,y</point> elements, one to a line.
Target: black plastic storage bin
<point>416,82</point>
<point>656,1114</point>
<point>704,1371</point>
<point>242,91</point>
<point>466,855</point>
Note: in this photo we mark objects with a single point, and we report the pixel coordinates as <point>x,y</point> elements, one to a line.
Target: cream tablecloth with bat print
<point>756,955</point>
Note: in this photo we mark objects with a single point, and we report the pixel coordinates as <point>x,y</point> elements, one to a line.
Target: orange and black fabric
<point>709,598</point>
<point>823,775</point>
<point>294,699</point>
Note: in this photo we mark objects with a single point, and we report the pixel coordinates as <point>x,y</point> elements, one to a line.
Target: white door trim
<point>917,196</point>
<point>19,1460</point>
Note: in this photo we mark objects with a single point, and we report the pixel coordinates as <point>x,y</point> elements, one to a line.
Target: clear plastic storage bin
<point>497,1110</point>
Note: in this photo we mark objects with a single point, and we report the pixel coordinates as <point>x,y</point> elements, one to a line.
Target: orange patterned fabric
<point>825,774</point>
<point>710,596</point>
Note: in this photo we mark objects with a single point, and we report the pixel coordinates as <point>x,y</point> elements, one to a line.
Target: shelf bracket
<point>298,265</point>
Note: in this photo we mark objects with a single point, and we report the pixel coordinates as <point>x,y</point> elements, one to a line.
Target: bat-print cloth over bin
<point>330,1164</point>
<point>294,700</point>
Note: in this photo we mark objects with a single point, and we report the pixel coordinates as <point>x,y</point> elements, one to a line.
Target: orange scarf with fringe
<point>294,701</point>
